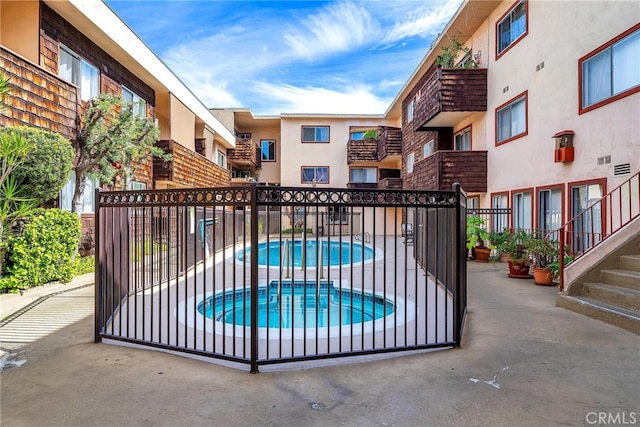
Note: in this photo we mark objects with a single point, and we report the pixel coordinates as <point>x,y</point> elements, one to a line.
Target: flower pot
<point>542,276</point>
<point>482,254</point>
<point>519,270</point>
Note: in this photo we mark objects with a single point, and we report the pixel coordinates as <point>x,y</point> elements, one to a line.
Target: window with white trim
<point>221,159</point>
<point>409,112</point>
<point>550,209</point>
<point>79,72</point>
<point>611,71</point>
<point>428,148</point>
<point>512,119</point>
<point>338,214</point>
<point>138,105</point>
<point>512,26</point>
<point>499,221</point>
<point>137,185</point>
<point>315,134</point>
<point>462,140</point>
<point>66,194</point>
<point>411,158</point>
<point>521,210</point>
<point>315,175</point>
<point>363,175</point>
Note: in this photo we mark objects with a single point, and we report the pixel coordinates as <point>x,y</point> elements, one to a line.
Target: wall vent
<point>623,169</point>
<point>540,66</point>
<point>505,89</point>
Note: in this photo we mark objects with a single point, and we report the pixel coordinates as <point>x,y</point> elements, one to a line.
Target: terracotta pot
<point>518,269</point>
<point>542,276</point>
<point>504,256</point>
<point>482,254</point>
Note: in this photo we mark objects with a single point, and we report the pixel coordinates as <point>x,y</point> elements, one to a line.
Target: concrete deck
<point>523,361</point>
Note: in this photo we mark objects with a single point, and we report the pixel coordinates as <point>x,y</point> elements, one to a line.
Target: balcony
<point>390,183</point>
<point>444,168</point>
<point>389,142</point>
<point>246,153</point>
<point>362,150</point>
<point>448,96</point>
<point>187,168</point>
<point>38,98</point>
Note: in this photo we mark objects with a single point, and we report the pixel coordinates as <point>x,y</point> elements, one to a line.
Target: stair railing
<point>599,221</point>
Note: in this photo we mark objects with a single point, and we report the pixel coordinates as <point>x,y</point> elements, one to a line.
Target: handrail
<point>599,221</point>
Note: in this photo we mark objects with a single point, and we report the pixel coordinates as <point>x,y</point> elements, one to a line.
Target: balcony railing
<point>389,142</point>
<point>246,153</point>
<point>362,150</point>
<point>187,168</point>
<point>447,93</point>
<point>390,183</point>
<point>444,168</point>
<point>38,98</point>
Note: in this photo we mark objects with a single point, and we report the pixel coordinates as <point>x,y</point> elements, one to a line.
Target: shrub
<point>43,252</point>
<point>46,169</point>
<point>84,265</point>
<point>296,230</point>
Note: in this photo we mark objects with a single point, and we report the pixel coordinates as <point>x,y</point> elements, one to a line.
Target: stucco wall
<point>19,27</point>
<point>182,122</point>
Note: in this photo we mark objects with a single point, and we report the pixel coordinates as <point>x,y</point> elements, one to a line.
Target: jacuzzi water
<point>334,253</point>
<point>296,305</point>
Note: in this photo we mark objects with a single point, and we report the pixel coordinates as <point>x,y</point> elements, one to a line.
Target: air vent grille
<point>623,169</point>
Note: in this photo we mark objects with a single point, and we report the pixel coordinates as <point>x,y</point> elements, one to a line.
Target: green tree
<point>46,169</point>
<point>112,142</point>
<point>5,89</point>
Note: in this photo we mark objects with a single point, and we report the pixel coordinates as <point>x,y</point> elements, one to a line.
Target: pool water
<point>334,253</point>
<point>297,305</point>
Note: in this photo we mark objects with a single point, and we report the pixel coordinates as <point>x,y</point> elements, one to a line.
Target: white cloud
<point>337,28</point>
<point>422,22</point>
<point>354,99</point>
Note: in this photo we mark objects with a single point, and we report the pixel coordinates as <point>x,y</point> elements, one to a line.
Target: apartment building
<point>59,54</point>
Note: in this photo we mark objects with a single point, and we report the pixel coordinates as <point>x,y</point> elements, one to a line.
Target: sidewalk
<point>523,362</point>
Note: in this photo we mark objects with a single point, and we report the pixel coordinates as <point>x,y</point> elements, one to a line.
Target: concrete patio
<point>523,361</point>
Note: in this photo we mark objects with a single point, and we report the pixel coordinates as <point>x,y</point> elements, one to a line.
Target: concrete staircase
<point>614,298</point>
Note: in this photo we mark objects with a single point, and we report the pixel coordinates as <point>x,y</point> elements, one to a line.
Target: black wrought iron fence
<point>262,275</point>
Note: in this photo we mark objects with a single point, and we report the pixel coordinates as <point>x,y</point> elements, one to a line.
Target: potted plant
<point>519,260</point>
<point>543,254</point>
<point>477,238</point>
<point>450,53</point>
<point>501,242</point>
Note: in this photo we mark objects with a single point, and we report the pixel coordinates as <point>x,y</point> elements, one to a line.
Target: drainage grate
<point>623,169</point>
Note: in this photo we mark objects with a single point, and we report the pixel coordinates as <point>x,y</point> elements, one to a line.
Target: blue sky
<point>342,57</point>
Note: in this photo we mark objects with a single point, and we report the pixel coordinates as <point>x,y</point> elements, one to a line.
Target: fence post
<point>96,275</point>
<point>253,205</point>
<point>458,236</point>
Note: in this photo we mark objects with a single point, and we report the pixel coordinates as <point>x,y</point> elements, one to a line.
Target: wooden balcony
<point>362,150</point>
<point>389,142</point>
<point>448,96</point>
<point>444,168</point>
<point>362,185</point>
<point>390,183</point>
<point>187,168</point>
<point>38,98</point>
<point>246,153</point>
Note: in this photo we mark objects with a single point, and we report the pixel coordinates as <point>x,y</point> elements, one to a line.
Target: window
<point>462,140</point>
<point>427,149</point>
<point>410,160</point>
<point>80,73</point>
<point>66,194</point>
<point>550,209</point>
<point>268,150</point>
<point>138,105</point>
<point>137,185</point>
<point>587,228</point>
<point>473,202</point>
<point>499,221</point>
<point>409,112</point>
<point>221,159</point>
<point>315,175</point>
<point>521,209</point>
<point>363,133</point>
<point>511,27</point>
<point>511,120</point>
<point>315,133</point>
<point>363,175</point>
<point>243,135</point>
<point>613,71</point>
<point>338,214</point>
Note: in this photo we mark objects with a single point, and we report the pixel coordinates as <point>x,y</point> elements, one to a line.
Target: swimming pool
<point>297,304</point>
<point>290,252</point>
